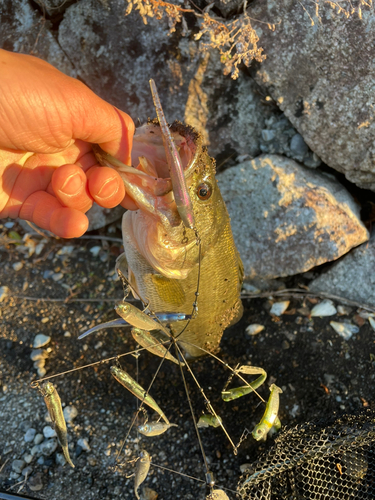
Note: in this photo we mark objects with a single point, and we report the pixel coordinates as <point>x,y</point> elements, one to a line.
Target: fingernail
<point>109,188</point>
<point>72,185</point>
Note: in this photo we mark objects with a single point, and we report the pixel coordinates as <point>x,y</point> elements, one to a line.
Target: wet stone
<point>38,354</point>
<point>41,340</point>
<point>35,450</point>
<point>14,475</point>
<point>18,465</point>
<point>35,482</point>
<point>70,413</point>
<point>83,443</point>
<point>28,458</point>
<point>27,471</point>
<point>25,425</point>
<point>48,447</point>
<point>298,146</point>
<point>38,438</point>
<point>41,372</point>
<point>60,459</point>
<point>49,432</point>
<point>30,435</point>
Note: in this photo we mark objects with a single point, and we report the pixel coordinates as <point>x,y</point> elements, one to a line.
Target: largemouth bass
<point>161,254</point>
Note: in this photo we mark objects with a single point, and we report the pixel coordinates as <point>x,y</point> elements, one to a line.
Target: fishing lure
<point>131,385</point>
<point>154,428</point>
<point>270,418</point>
<point>141,471</point>
<point>53,403</point>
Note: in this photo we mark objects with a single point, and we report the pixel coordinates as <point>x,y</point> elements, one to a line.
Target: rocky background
<point>293,135</point>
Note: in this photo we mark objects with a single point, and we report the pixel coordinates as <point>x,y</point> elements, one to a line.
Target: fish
<point>141,471</point>
<point>270,418</point>
<point>153,345</point>
<point>209,421</point>
<point>237,392</point>
<point>137,390</point>
<point>161,256</point>
<point>154,428</point>
<point>138,318</point>
<point>53,403</point>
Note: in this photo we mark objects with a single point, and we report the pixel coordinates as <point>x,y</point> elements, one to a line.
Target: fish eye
<point>204,191</point>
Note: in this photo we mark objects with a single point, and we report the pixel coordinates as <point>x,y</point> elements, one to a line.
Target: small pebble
<point>39,364</point>
<point>44,320</point>
<point>278,308</point>
<point>324,308</point>
<point>60,459</point>
<point>9,225</point>
<point>18,465</point>
<point>14,475</point>
<point>38,438</point>
<point>49,432</point>
<point>95,250</point>
<point>91,461</point>
<point>30,435</point>
<point>70,413</point>
<point>35,450</point>
<point>25,425</point>
<point>48,447</point>
<point>4,291</point>
<point>344,310</point>
<point>83,443</point>
<point>345,330</point>
<point>268,135</point>
<point>245,467</point>
<point>298,146</point>
<point>41,372</point>
<point>37,354</point>
<point>27,471</point>
<point>57,276</point>
<point>67,334</point>
<point>41,340</point>
<point>17,266</point>
<point>47,274</point>
<point>254,329</point>
<point>35,482</point>
<point>40,460</point>
<point>28,458</point>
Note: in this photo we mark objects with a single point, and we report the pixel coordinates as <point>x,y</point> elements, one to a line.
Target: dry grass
<point>236,39</point>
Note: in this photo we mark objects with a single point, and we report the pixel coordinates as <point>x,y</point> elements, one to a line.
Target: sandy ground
<point>320,373</point>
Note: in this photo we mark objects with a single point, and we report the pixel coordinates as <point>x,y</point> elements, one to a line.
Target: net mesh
<point>316,461</point>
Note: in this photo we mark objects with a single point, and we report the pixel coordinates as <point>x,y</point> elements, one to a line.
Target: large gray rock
<point>229,114</point>
<point>287,219</point>
<point>323,78</point>
<point>116,55</point>
<point>352,277</point>
<point>23,29</point>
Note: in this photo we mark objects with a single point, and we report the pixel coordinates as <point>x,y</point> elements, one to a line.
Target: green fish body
<point>131,385</point>
<point>270,417</point>
<point>53,403</point>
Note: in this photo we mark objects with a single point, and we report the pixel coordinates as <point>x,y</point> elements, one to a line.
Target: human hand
<point>48,172</point>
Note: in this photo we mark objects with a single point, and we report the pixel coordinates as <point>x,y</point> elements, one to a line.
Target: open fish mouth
<point>148,180</point>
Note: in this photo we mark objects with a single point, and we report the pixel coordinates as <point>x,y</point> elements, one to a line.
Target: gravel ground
<point>320,373</point>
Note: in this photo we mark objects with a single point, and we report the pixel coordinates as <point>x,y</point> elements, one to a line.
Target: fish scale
<point>221,270</point>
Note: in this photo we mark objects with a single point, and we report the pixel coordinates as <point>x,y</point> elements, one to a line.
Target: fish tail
<point>67,456</point>
<point>136,493</point>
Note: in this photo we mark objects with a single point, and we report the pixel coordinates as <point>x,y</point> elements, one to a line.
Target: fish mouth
<point>148,180</point>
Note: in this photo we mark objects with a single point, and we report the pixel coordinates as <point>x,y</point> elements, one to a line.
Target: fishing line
<point>35,383</point>
<point>225,364</point>
<point>192,411</point>
<point>141,405</point>
<point>187,475</point>
<point>207,401</point>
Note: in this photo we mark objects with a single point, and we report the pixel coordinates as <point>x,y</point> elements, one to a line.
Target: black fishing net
<point>316,461</point>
